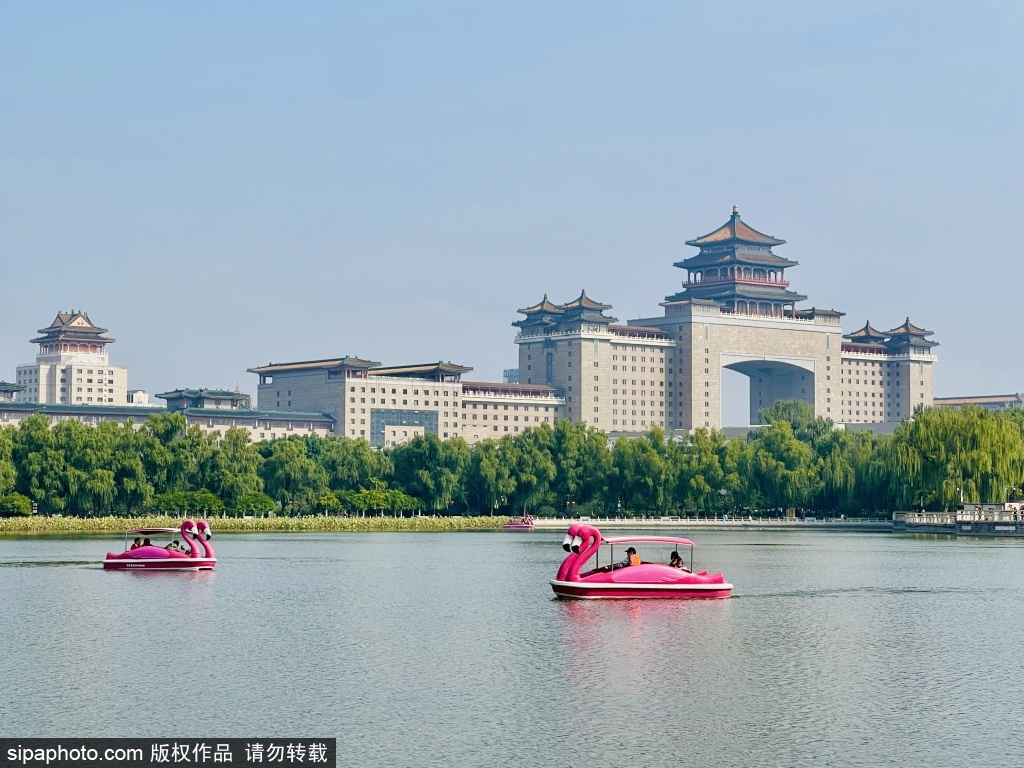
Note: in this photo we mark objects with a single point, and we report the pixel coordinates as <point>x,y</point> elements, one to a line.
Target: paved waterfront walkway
<point>760,524</point>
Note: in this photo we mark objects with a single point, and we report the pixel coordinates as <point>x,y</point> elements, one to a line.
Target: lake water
<point>449,649</point>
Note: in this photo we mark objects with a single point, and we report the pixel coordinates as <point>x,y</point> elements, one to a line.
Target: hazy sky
<point>226,184</point>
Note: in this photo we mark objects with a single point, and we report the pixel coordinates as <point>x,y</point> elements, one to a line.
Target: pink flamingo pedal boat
<point>200,555</point>
<point>525,523</point>
<point>643,580</point>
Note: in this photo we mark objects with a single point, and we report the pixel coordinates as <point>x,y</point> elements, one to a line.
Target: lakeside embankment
<point>332,524</point>
<point>863,525</point>
<point>313,524</point>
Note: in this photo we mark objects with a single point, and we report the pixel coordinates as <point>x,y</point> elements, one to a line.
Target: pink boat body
<point>153,558</point>
<point>646,580</point>
<point>525,523</point>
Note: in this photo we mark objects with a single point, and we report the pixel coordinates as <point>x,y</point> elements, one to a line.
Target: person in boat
<point>146,542</point>
<point>137,543</point>
<point>677,562</point>
<point>632,558</point>
<point>174,546</point>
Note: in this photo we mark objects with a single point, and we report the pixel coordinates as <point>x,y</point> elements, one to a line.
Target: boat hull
<point>611,590</point>
<point>159,564</point>
<point>516,527</point>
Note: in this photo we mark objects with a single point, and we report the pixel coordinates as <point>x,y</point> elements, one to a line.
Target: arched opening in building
<point>753,384</point>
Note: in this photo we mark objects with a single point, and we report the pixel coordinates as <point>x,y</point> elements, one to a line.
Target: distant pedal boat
<point>645,580</point>
<point>525,523</point>
<point>200,557</point>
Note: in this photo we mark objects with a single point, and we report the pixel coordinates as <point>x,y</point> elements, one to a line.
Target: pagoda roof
<point>335,362</point>
<point>728,291</point>
<point>8,387</point>
<point>543,306</point>
<point>867,334</point>
<point>909,329</point>
<point>585,302</point>
<point>548,314</point>
<point>716,258</point>
<point>72,325</point>
<point>735,230</point>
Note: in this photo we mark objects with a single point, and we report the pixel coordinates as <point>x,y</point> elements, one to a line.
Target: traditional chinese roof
<point>543,306</point>
<point>547,315</point>
<point>7,387</point>
<point>217,393</point>
<point>735,243</point>
<point>735,230</point>
<point>585,302</point>
<point>757,293</point>
<point>336,362</point>
<point>814,312</point>
<point>909,329</point>
<point>638,330</point>
<point>909,335</point>
<point>72,326</point>
<point>438,370</point>
<point>866,334</point>
<point>244,414</point>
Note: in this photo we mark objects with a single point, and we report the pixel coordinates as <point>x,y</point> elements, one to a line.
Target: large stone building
<point>391,405</point>
<point>73,365</point>
<point>211,410</point>
<point>612,376</point>
<point>736,311</point>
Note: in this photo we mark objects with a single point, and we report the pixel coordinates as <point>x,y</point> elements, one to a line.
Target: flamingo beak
<point>567,542</point>
<point>576,544</point>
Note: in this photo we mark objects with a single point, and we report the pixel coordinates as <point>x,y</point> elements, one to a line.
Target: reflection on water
<point>449,649</point>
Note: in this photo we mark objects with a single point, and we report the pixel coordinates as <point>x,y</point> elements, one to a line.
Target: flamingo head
<point>567,541</point>
<point>204,529</point>
<point>585,534</point>
<point>189,527</point>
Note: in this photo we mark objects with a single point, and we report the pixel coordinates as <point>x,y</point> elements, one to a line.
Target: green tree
<point>15,505</point>
<point>528,458</point>
<point>487,480</point>
<point>290,475</point>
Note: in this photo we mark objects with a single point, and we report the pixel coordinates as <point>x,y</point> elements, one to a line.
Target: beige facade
<point>492,411</point>
<point>83,380</point>
<point>389,406</point>
<point>785,358</point>
<point>259,425</point>
<point>736,312</point>
<point>613,377</point>
<point>73,366</point>
<point>885,387</point>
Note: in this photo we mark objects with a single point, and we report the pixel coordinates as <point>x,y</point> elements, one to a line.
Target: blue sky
<point>224,185</point>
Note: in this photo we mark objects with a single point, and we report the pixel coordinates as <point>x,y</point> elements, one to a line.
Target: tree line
<point>795,461</point>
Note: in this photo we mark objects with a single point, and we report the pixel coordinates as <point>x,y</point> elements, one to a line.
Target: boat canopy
<point>656,539</point>
<point>149,531</point>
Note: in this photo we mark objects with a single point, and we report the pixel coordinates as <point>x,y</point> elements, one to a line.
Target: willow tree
<point>946,454</point>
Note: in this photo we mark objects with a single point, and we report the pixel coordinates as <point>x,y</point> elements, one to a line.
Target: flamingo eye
<point>576,544</point>
<point>566,542</point>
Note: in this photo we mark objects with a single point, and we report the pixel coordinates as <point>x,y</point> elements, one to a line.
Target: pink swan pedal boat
<point>200,555</point>
<point>525,523</point>
<point>646,580</point>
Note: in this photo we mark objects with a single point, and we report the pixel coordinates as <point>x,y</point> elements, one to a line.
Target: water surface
<point>448,649</point>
